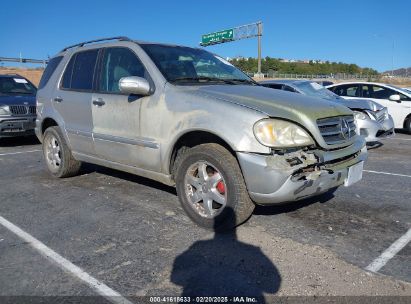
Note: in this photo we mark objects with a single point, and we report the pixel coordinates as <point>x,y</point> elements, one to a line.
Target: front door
<point>116,116</point>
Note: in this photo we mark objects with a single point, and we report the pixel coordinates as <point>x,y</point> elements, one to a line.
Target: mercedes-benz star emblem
<point>345,129</point>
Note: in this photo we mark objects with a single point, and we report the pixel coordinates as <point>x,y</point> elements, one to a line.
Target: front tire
<point>407,125</point>
<point>211,187</point>
<point>59,159</point>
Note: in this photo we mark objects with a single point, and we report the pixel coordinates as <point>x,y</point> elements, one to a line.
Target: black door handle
<point>99,102</point>
<point>58,99</point>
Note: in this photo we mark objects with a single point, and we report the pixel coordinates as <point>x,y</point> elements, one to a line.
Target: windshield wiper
<point>243,81</point>
<point>201,79</point>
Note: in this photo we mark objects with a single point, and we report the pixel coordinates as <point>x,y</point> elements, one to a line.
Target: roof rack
<point>120,38</point>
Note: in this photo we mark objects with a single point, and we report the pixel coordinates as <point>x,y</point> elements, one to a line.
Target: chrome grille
<point>22,110</point>
<point>18,110</point>
<point>336,130</point>
<point>32,110</point>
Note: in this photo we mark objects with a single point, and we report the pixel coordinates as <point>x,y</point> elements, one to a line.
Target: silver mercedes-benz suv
<point>186,117</point>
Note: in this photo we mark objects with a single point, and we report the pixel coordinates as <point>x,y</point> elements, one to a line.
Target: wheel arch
<point>194,138</point>
<point>48,122</point>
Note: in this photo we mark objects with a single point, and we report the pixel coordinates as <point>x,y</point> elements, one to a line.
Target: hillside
<point>403,72</point>
<point>33,75</point>
<point>278,65</point>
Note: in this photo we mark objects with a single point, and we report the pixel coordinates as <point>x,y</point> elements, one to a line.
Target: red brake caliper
<point>221,187</point>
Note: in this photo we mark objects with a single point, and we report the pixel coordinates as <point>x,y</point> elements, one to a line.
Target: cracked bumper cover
<point>271,181</point>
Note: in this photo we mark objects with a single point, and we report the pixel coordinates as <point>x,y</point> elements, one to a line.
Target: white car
<point>396,100</point>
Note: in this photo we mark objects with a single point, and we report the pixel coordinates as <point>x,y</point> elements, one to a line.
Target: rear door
<point>72,100</point>
<point>116,116</point>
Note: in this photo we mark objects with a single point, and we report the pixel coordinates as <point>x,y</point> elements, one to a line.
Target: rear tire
<point>59,159</point>
<point>211,187</point>
<point>407,124</point>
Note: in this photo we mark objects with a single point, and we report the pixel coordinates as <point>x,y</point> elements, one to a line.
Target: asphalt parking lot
<point>131,234</point>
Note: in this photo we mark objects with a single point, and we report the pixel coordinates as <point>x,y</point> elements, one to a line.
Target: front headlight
<point>4,110</point>
<point>360,115</point>
<point>281,134</point>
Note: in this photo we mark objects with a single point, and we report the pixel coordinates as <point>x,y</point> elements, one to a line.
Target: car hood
<point>274,103</point>
<point>361,104</point>
<point>18,100</point>
<point>301,109</point>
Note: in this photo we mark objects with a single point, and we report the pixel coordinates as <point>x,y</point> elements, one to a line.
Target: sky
<point>361,32</point>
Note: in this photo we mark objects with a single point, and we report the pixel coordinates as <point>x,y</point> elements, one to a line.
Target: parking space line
<point>66,265</point>
<point>386,173</point>
<point>22,152</point>
<point>390,252</point>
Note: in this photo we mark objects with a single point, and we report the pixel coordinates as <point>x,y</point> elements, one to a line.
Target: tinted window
<point>118,63</point>
<point>80,70</point>
<point>68,73</point>
<point>351,90</point>
<point>51,67</point>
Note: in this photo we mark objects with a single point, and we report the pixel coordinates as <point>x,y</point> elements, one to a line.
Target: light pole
<point>259,34</point>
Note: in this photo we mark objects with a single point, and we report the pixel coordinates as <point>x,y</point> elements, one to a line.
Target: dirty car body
<point>17,106</point>
<point>192,98</point>
<point>372,119</point>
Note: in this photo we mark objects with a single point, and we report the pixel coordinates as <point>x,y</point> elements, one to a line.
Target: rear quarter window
<point>48,72</point>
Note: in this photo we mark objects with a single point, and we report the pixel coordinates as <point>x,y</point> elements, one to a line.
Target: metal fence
<point>341,76</point>
<point>338,76</point>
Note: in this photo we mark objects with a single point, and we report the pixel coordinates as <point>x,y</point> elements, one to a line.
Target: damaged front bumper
<point>274,179</point>
<point>374,131</point>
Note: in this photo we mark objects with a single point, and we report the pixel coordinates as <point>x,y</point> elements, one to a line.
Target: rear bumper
<point>272,180</point>
<point>374,131</point>
<point>17,126</point>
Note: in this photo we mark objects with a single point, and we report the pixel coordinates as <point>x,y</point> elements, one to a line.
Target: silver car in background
<point>372,119</point>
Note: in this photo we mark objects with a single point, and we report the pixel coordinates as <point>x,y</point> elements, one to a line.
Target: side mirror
<point>395,97</point>
<point>134,85</point>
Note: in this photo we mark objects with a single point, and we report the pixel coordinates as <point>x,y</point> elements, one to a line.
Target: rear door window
<point>79,72</point>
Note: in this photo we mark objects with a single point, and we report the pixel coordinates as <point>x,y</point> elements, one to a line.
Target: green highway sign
<point>217,37</point>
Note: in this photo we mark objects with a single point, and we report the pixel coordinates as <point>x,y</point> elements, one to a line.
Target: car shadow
<point>19,141</point>
<point>374,145</point>
<point>402,131</point>
<point>293,206</point>
<point>225,267</point>
<point>87,168</point>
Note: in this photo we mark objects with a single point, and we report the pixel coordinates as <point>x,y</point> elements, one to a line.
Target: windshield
<point>316,90</point>
<point>181,65</point>
<point>16,85</point>
<point>402,90</point>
